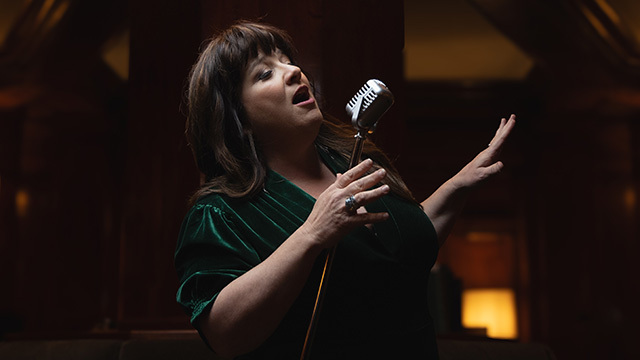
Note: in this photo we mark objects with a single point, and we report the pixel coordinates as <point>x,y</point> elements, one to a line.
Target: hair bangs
<point>247,40</point>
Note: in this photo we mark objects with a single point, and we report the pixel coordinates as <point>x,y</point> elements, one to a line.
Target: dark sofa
<point>192,348</point>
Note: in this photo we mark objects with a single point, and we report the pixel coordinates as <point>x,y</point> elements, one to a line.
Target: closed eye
<point>265,75</point>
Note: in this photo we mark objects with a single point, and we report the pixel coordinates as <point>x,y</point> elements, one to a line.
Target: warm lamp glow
<point>630,199</point>
<point>22,203</point>
<point>116,54</point>
<point>493,309</point>
<point>450,40</point>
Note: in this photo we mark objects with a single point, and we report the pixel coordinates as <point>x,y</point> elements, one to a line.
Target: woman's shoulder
<point>220,202</point>
<point>210,199</point>
<point>207,213</point>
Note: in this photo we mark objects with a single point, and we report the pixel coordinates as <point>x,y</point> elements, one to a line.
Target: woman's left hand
<point>486,163</point>
<point>447,201</point>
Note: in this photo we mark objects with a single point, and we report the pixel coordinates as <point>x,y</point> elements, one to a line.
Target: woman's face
<point>278,101</point>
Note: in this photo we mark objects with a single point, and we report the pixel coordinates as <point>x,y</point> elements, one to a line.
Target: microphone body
<point>369,104</point>
<point>366,107</point>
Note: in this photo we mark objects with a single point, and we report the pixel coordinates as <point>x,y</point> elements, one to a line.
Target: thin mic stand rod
<point>311,330</point>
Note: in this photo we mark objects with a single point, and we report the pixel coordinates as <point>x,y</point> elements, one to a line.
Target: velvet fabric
<point>376,300</point>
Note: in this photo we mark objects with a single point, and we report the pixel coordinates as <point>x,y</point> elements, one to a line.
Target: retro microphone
<point>366,107</point>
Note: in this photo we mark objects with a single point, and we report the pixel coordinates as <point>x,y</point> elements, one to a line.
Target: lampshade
<point>493,309</point>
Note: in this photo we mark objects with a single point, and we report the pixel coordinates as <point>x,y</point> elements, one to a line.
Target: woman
<point>249,251</point>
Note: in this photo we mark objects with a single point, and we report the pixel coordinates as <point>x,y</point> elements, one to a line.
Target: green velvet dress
<point>376,301</point>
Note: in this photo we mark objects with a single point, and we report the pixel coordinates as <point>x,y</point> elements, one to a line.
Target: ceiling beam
<point>563,38</point>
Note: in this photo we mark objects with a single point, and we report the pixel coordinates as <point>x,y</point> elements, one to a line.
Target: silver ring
<point>350,204</point>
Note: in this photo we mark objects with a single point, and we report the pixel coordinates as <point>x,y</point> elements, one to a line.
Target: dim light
<point>22,202</point>
<point>493,309</point>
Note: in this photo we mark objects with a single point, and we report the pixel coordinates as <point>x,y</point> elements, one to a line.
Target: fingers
<point>503,122</point>
<point>369,196</point>
<point>494,168</point>
<point>354,173</point>
<point>503,132</point>
<point>335,212</point>
<point>366,182</point>
<point>353,183</point>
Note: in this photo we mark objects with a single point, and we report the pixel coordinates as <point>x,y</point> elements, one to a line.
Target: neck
<point>295,165</point>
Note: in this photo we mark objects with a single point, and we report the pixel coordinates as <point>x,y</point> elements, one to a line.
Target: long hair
<point>217,127</point>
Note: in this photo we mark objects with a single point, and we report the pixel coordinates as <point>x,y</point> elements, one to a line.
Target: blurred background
<point>95,172</point>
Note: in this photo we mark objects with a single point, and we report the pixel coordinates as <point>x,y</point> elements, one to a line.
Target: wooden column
<point>10,144</point>
<point>160,174</point>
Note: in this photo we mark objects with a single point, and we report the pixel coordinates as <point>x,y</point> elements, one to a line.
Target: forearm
<point>249,309</point>
<point>443,208</point>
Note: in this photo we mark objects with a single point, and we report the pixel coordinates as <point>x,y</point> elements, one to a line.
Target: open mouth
<point>301,95</point>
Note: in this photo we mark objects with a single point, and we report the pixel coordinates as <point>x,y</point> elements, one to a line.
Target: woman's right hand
<point>330,220</point>
<point>249,309</point>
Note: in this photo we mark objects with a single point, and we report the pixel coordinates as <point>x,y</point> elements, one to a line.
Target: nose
<point>293,75</point>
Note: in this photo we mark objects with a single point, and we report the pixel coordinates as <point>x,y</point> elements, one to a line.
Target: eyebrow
<point>261,56</point>
<point>251,65</point>
<point>252,62</point>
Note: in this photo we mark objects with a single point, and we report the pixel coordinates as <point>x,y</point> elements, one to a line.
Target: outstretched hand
<point>486,163</point>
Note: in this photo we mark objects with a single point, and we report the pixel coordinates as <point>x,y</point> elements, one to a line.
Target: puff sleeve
<point>210,253</point>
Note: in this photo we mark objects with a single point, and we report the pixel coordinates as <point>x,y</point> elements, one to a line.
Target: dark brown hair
<point>218,130</point>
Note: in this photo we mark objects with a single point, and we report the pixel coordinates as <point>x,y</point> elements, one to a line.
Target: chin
<point>318,115</point>
<point>315,121</point>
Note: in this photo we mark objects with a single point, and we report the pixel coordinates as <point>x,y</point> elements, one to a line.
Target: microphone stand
<point>311,330</point>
